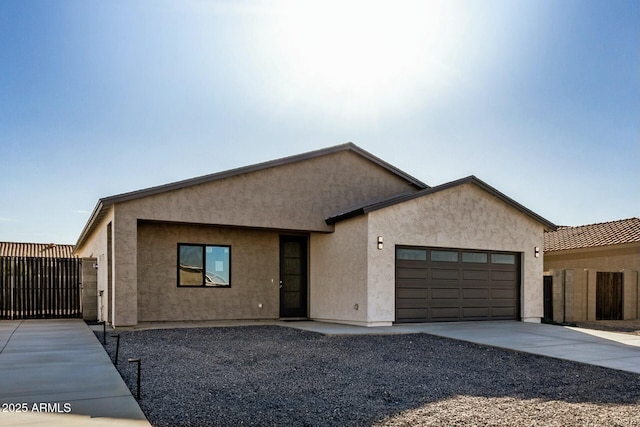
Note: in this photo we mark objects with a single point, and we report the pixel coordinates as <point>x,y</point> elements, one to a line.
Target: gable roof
<point>349,146</point>
<point>38,250</point>
<point>104,203</point>
<point>592,235</point>
<point>400,198</point>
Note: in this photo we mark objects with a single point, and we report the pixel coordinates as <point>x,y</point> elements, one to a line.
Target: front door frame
<point>301,312</point>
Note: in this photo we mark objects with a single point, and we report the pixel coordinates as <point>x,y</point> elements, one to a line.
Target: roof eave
<point>548,225</point>
<point>349,146</point>
<point>133,195</point>
<point>89,225</point>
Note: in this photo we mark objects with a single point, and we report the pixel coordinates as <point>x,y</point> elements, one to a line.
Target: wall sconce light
<point>536,252</point>
<point>380,243</point>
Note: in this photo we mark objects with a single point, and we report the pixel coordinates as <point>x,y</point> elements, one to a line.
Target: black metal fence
<point>40,288</point>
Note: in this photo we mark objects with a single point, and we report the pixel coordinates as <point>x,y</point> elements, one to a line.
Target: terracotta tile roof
<point>592,235</point>
<point>39,250</point>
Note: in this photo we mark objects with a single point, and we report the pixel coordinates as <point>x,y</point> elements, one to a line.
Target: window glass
<point>447,256</point>
<point>412,254</point>
<point>503,259</point>
<point>477,257</point>
<point>190,265</point>
<point>204,265</point>
<point>217,262</point>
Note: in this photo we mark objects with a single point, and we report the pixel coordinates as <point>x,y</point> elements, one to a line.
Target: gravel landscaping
<point>278,376</point>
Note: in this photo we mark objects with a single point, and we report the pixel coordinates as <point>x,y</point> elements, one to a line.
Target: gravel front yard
<point>277,376</point>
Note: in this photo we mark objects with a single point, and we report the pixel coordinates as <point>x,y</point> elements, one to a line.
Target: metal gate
<point>40,288</point>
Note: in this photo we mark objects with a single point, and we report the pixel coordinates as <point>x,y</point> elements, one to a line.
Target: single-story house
<point>591,271</point>
<point>336,235</point>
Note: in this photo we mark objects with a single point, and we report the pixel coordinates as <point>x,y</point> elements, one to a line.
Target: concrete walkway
<point>59,373</point>
<point>608,349</point>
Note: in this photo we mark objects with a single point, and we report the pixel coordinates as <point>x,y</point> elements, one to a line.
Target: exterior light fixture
<point>380,243</point>
<point>536,251</point>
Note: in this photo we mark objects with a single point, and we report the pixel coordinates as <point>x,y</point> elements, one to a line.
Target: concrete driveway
<point>608,349</point>
<point>56,373</point>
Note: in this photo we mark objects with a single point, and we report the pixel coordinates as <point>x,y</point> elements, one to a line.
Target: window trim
<point>203,247</point>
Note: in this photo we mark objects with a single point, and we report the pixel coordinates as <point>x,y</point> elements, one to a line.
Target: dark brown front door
<point>293,276</point>
<point>608,296</point>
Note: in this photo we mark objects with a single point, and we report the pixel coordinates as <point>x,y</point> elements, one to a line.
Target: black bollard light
<point>104,332</point>
<point>117,337</point>
<point>137,360</point>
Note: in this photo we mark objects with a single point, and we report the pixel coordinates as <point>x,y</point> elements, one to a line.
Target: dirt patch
<point>625,326</point>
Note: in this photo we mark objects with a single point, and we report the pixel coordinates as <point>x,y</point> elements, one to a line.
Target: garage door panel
<point>445,313</point>
<point>411,283</point>
<point>405,293</point>
<point>440,293</point>
<point>428,291</point>
<point>444,303</point>
<point>509,294</point>
<point>411,303</point>
<point>413,314</point>
<point>475,293</point>
<point>508,276</point>
<point>501,303</point>
<point>412,273</point>
<point>475,275</point>
<point>441,274</point>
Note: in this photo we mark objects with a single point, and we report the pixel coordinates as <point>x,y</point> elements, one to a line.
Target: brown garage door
<point>443,284</point>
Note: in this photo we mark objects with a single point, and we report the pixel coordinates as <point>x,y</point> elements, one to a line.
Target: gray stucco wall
<point>254,274</point>
<point>96,247</point>
<point>338,272</point>
<point>296,196</point>
<point>460,217</point>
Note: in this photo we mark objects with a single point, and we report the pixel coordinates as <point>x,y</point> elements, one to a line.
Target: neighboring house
<point>335,235</point>
<point>592,271</point>
<point>37,250</point>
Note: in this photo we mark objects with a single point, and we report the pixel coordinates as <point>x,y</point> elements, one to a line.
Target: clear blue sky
<point>540,98</point>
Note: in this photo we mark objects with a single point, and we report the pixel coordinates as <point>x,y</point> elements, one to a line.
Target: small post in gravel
<point>104,332</point>
<point>137,360</point>
<point>117,337</point>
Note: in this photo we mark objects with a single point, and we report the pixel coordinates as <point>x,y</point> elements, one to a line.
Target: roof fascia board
<point>590,249</point>
<point>89,225</point>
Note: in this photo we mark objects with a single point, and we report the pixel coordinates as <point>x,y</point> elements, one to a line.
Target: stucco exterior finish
<point>465,217</point>
<point>294,196</point>
<point>338,274</point>
<point>96,247</point>
<point>254,274</point>
<point>574,279</point>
